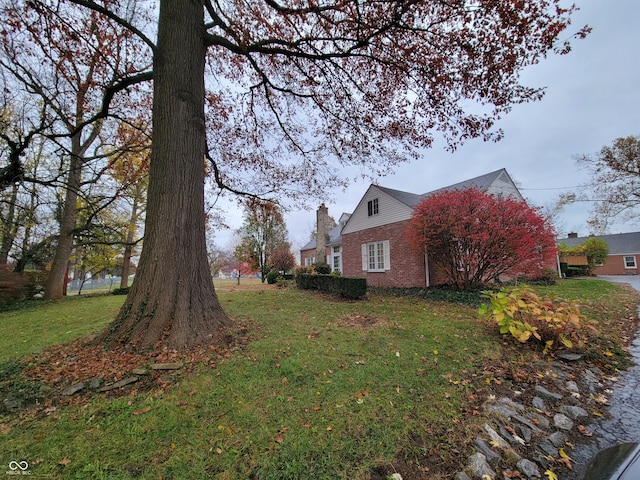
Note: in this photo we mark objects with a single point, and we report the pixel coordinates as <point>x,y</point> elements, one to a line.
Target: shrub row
<point>344,286</point>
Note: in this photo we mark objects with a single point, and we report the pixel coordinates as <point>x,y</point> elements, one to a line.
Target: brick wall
<point>304,254</point>
<point>407,267</point>
<point>614,265</point>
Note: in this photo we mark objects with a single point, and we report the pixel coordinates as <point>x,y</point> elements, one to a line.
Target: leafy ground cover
<point>308,387</point>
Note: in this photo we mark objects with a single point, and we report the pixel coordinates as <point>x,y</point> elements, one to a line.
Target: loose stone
<point>543,392</point>
<point>166,366</point>
<point>558,439</point>
<point>572,386</point>
<point>95,383</point>
<point>508,436</point>
<point>511,403</point>
<point>492,457</point>
<point>592,381</point>
<point>525,432</point>
<point>140,371</point>
<point>562,421</point>
<point>526,423</point>
<point>495,437</point>
<point>541,421</point>
<point>574,412</point>
<point>461,476</point>
<point>73,389</point>
<point>528,468</point>
<point>119,384</point>
<point>547,447</point>
<point>478,466</point>
<point>500,409</point>
<point>568,356</point>
<point>538,403</point>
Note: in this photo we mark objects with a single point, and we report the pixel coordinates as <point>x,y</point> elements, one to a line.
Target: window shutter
<point>387,255</point>
<point>365,257</point>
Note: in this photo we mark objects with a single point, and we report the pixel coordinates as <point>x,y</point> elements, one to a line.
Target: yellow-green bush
<point>526,316</point>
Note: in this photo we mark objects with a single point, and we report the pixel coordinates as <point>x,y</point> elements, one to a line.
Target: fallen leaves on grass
<point>142,411</point>
<point>65,461</point>
<point>82,360</point>
<point>4,428</point>
<point>279,438</point>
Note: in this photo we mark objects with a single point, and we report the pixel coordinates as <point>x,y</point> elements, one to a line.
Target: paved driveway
<point>633,280</point>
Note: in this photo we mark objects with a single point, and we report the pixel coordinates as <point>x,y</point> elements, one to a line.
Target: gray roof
<point>410,199</point>
<point>483,183</point>
<point>619,243</point>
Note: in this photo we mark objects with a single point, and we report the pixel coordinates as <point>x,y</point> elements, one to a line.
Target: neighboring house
<point>371,242</point>
<point>624,252</point>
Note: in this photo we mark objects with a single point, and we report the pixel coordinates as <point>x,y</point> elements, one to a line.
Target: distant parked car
<point>621,462</point>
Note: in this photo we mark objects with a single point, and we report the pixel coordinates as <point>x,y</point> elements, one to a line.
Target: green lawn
<point>323,389</point>
<point>40,324</point>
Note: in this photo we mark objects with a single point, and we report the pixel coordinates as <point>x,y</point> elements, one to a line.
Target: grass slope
<point>324,389</point>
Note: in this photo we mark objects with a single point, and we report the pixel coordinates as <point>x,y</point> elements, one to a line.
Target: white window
<point>375,256</point>
<point>337,259</point>
<point>630,262</point>
<point>309,261</point>
<point>372,207</point>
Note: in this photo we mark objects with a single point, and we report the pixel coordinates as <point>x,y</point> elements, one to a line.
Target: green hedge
<point>344,286</point>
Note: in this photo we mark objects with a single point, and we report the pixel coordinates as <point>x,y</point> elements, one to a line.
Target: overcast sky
<point>592,97</point>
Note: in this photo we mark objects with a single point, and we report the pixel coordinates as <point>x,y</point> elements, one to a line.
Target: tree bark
<point>128,248</point>
<point>55,286</point>
<point>9,227</point>
<point>172,301</point>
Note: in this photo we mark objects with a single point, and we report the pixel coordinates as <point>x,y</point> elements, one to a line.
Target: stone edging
<point>525,441</point>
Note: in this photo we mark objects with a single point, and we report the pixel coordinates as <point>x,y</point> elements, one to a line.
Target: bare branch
<point>119,20</point>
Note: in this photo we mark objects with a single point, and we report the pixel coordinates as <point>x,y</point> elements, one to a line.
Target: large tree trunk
<point>172,300</point>
<point>128,248</point>
<point>9,227</point>
<point>55,286</point>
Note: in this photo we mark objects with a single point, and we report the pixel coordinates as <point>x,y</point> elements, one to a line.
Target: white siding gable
<point>504,186</point>
<point>390,210</point>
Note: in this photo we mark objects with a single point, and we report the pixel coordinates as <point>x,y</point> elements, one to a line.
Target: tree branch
<point>119,20</point>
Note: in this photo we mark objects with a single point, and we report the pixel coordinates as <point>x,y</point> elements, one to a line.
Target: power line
<point>555,188</point>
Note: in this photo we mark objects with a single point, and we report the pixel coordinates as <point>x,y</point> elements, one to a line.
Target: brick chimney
<point>322,234</point>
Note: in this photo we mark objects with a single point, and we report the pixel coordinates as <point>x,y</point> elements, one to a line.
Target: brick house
<point>371,242</point>
<point>624,252</point>
<point>329,248</point>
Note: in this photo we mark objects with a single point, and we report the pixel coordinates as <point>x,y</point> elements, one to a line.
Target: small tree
<point>282,260</point>
<point>475,237</point>
<point>596,251</point>
<point>615,182</point>
<point>263,233</point>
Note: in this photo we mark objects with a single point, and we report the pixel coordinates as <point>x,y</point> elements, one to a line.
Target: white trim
<point>426,270</point>
<point>371,251</point>
<point>635,263</point>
